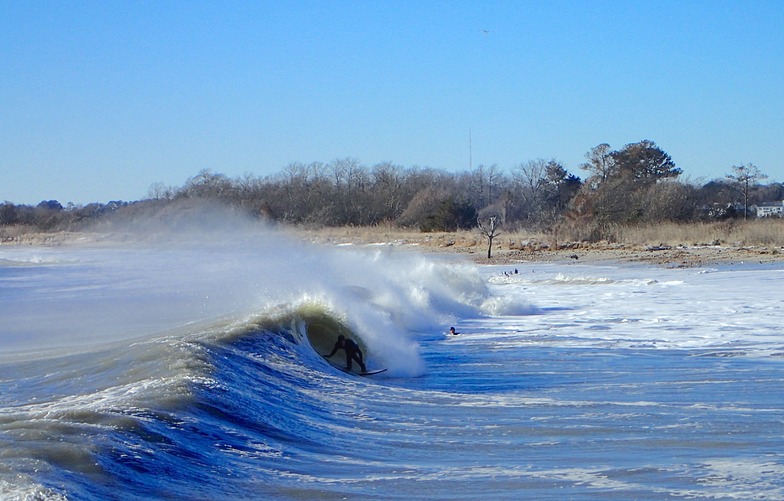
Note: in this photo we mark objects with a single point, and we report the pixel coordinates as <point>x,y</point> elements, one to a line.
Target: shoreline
<point>472,246</point>
<point>674,257</point>
<point>533,250</point>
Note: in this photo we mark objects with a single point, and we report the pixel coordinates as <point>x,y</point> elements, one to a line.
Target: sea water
<point>191,368</point>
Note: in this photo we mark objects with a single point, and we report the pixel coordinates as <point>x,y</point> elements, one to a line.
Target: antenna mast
<point>470,151</point>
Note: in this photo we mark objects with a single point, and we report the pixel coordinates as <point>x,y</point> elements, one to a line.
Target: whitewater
<point>188,365</point>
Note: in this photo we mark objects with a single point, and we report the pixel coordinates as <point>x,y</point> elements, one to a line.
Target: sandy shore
<point>673,257</point>
<point>505,250</point>
<point>510,251</point>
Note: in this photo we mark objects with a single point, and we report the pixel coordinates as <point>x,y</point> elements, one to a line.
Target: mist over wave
<point>155,278</point>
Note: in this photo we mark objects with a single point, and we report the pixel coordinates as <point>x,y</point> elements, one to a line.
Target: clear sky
<point>101,99</point>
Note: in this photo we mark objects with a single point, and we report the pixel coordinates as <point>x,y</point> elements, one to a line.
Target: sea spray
<point>150,282</point>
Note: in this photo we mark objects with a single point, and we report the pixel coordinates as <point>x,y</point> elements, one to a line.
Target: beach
<point>517,249</point>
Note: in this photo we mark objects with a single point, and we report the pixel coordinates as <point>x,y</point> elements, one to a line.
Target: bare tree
<point>493,174</point>
<point>600,162</point>
<point>669,200</point>
<point>532,176</point>
<point>159,191</point>
<point>483,183</point>
<point>491,231</point>
<point>746,176</point>
<point>530,179</point>
<point>208,184</point>
<point>388,191</point>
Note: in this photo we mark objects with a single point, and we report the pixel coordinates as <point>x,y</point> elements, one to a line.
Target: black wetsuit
<point>352,353</point>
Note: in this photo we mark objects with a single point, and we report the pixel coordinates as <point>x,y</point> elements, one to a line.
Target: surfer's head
<point>341,337</point>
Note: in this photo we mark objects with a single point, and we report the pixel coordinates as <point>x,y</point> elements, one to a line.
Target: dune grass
<point>762,232</point>
<point>754,233</point>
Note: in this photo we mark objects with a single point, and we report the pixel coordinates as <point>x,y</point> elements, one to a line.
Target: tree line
<point>636,184</point>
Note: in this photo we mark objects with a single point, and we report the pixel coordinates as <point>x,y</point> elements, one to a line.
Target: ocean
<point>190,368</point>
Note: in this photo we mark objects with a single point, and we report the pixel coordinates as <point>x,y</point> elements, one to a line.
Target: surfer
<point>452,331</point>
<point>352,352</point>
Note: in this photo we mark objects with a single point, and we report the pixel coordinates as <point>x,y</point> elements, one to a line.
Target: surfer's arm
<point>334,350</point>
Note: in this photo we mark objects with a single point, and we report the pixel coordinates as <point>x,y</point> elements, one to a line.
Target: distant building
<point>770,209</point>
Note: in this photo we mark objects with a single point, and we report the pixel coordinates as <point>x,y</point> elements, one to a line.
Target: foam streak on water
<point>566,382</point>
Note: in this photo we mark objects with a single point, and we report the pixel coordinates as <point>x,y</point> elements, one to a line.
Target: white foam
<point>145,286</point>
<point>643,306</point>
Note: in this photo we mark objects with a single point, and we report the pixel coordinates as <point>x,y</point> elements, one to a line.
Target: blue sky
<point>102,99</point>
